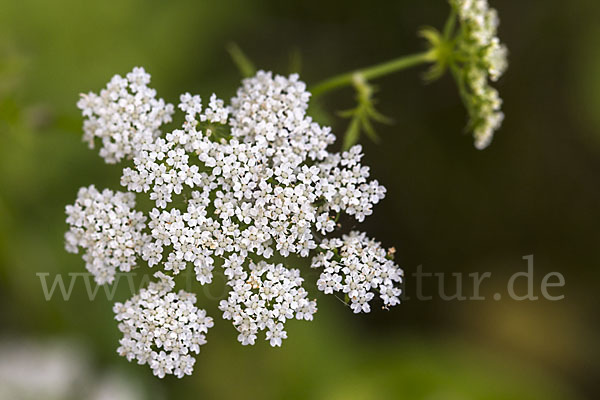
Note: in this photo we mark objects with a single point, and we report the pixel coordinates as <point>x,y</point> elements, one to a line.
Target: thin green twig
<point>372,72</point>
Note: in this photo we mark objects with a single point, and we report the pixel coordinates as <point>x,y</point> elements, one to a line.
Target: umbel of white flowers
<point>479,56</point>
<point>161,328</point>
<point>235,184</point>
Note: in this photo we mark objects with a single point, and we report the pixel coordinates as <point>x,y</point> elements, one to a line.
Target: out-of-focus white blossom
<point>162,328</point>
<point>109,230</point>
<point>59,369</point>
<point>360,268</point>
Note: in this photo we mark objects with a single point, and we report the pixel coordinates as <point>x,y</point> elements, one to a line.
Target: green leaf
<point>243,63</point>
<point>295,61</point>
<point>363,114</point>
<point>379,117</point>
<point>352,133</point>
<point>368,128</point>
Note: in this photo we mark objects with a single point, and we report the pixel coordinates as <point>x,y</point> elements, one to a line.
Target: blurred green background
<point>450,208</point>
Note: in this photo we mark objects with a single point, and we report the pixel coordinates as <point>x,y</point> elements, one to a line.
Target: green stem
<point>449,26</point>
<point>462,89</point>
<point>373,72</point>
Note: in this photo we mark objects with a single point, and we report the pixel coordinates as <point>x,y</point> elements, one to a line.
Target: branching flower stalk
<point>239,185</point>
<point>472,52</point>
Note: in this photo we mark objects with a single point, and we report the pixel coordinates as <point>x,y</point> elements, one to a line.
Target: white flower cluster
<point>481,24</point>
<point>487,58</point>
<point>270,181</point>
<point>124,116</point>
<point>161,328</point>
<point>264,299</point>
<point>235,183</point>
<point>358,266</point>
<point>106,226</point>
